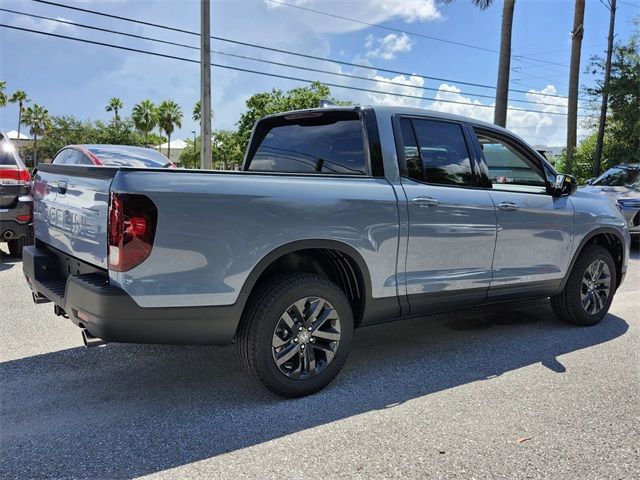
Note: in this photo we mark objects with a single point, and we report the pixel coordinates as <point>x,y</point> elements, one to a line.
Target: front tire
<point>588,293</point>
<point>295,334</point>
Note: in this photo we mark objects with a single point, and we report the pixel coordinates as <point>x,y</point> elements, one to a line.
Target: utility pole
<point>574,82</point>
<point>605,90</point>
<point>205,84</point>
<point>504,66</point>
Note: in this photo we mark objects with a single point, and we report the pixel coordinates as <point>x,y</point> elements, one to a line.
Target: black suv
<point>16,205</point>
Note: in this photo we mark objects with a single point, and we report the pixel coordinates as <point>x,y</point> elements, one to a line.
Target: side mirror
<point>564,185</point>
<point>590,181</point>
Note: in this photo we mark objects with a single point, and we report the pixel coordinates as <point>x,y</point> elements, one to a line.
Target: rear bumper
<point>10,229</point>
<point>108,312</point>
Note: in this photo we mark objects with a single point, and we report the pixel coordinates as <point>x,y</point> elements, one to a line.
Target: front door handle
<point>424,202</point>
<point>508,206</point>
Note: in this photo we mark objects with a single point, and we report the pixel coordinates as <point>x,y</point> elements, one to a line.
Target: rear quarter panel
<point>213,229</point>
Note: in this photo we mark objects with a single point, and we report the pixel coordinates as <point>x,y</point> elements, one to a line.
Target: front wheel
<point>295,334</point>
<point>588,293</point>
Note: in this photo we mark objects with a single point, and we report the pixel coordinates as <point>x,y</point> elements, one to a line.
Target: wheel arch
<point>337,260</point>
<point>607,237</point>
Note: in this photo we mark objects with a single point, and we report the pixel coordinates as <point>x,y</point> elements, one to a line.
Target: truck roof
<point>389,111</point>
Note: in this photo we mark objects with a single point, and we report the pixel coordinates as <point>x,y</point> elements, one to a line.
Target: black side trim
<point>426,303</point>
<point>373,136</point>
<point>520,291</point>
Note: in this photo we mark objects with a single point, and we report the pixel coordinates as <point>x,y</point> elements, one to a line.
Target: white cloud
<point>368,12</point>
<point>407,88</point>
<point>410,10</point>
<point>47,26</point>
<point>387,47</point>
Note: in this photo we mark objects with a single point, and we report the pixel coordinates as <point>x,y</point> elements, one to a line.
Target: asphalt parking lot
<point>500,392</point>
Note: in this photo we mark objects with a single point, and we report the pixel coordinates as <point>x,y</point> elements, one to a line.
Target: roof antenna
<point>324,103</point>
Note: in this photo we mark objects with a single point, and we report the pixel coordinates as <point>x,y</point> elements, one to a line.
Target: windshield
<point>620,177</point>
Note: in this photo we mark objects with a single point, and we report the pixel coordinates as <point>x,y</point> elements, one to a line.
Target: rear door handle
<point>425,202</point>
<point>508,206</point>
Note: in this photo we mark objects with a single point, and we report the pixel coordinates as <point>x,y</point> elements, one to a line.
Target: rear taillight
<point>15,174</point>
<point>131,230</point>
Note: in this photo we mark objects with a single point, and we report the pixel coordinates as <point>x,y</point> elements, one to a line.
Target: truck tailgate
<point>71,206</point>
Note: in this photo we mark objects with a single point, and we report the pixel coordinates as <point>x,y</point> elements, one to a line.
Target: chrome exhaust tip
<point>8,234</point>
<point>90,341</point>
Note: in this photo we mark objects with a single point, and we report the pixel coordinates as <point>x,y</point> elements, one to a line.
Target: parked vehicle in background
<point>343,217</point>
<point>16,204</point>
<point>112,156</point>
<point>621,183</point>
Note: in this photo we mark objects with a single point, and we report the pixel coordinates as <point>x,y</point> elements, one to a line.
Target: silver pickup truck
<point>343,217</point>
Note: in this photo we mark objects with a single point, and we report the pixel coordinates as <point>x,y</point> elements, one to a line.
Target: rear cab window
<point>328,143</point>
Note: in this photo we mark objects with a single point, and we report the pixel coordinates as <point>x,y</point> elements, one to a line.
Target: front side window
<point>509,169</point>
<point>313,145</point>
<point>437,153</point>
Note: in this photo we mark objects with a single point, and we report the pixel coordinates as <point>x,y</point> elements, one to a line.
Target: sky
<point>73,78</point>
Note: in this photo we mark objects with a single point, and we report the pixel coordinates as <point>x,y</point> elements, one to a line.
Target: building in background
<point>177,146</point>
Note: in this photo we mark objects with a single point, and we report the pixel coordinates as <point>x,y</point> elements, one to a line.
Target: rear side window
<point>320,144</point>
<point>436,152</point>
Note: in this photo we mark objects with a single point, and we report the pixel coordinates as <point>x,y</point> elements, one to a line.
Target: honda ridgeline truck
<point>342,217</point>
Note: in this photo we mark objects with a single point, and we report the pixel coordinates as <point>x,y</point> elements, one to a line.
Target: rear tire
<point>587,295</point>
<point>280,342</point>
<point>15,245</point>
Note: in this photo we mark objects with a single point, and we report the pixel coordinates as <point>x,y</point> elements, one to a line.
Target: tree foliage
<point>622,130</point>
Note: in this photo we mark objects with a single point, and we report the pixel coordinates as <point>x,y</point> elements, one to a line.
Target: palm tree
<point>504,65</point>
<point>574,80</point>
<point>145,117</point>
<point>38,120</point>
<point>3,96</point>
<point>196,112</point>
<point>114,105</point>
<point>20,97</point>
<point>169,117</point>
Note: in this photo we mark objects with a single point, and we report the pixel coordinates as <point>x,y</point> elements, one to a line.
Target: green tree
<point>3,95</point>
<point>190,156</point>
<point>115,105</point>
<point>144,117</point>
<point>38,120</point>
<point>196,112</point>
<point>267,103</point>
<point>21,98</point>
<point>66,130</point>
<point>621,141</point>
<point>227,150</point>
<point>169,116</point>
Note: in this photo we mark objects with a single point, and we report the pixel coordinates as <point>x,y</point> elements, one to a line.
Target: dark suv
<point>16,205</point>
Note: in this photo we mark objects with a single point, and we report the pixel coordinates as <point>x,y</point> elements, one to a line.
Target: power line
<point>398,30</point>
<point>287,52</point>
<point>382,27</point>
<point>245,70</point>
<point>271,62</point>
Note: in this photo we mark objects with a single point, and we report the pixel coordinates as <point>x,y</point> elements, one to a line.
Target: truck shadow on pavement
<point>128,410</point>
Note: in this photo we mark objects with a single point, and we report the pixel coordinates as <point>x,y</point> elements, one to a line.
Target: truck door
<point>452,222</point>
<point>535,229</point>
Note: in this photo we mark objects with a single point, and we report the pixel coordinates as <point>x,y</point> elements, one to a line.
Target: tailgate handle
<point>62,187</point>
